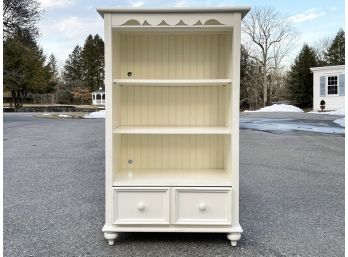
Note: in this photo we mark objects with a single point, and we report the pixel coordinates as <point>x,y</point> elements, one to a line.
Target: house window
<point>332,87</point>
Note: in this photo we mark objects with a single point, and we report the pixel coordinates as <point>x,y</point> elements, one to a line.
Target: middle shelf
<point>172,82</point>
<point>204,130</point>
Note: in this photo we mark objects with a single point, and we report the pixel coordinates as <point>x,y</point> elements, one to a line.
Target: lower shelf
<point>172,130</point>
<point>172,177</point>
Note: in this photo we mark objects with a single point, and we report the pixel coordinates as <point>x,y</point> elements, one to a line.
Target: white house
<point>328,85</point>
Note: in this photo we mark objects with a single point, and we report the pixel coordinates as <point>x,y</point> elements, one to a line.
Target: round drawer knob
<point>202,206</point>
<point>141,206</point>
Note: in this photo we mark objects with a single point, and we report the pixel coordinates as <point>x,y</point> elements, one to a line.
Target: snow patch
<point>286,125</point>
<point>278,108</point>
<point>46,114</point>
<point>338,112</point>
<point>95,115</point>
<point>64,116</point>
<point>340,122</point>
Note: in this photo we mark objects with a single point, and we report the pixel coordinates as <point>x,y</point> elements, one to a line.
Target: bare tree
<point>21,15</point>
<point>321,47</point>
<point>277,85</point>
<point>250,82</point>
<point>269,37</point>
<point>254,90</point>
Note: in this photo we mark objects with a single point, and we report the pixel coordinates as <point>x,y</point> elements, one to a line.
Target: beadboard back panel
<point>174,106</point>
<point>172,151</point>
<point>173,56</point>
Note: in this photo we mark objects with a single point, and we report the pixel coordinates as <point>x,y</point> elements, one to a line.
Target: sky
<point>67,23</point>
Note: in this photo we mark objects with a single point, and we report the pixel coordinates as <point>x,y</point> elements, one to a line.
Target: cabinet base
<point>111,231</point>
<point>234,237</point>
<point>110,237</point>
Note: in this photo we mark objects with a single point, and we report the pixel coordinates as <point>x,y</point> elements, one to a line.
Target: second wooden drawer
<point>202,206</point>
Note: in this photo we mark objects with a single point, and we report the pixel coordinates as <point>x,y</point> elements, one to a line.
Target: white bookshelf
<point>172,120</point>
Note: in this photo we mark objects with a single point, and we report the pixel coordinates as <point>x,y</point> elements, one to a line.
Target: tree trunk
<point>268,95</point>
<point>25,94</point>
<point>264,78</point>
<point>22,96</point>
<point>16,98</point>
<point>264,82</point>
<point>13,93</point>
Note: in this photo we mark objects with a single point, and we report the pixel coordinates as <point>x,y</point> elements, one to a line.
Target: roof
<point>99,91</point>
<point>228,9</point>
<point>324,68</point>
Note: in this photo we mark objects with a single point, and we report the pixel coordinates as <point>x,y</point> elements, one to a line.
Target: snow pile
<point>278,108</point>
<point>338,112</point>
<point>46,114</point>
<point>287,125</point>
<point>340,122</point>
<point>95,115</point>
<point>64,116</point>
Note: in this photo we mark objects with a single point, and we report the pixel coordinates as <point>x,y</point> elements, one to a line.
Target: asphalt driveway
<point>292,194</point>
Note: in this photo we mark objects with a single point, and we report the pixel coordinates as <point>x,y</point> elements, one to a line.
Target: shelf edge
<point>159,82</point>
<point>173,131</point>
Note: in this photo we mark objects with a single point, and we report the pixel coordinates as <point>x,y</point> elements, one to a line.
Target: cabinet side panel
<point>235,73</point>
<point>108,120</point>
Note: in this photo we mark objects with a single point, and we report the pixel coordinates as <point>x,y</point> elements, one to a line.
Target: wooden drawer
<point>202,206</point>
<point>141,205</point>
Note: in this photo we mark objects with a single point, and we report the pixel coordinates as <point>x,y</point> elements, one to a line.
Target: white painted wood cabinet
<point>172,120</point>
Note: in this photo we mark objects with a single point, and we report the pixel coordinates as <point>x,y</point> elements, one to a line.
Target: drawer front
<point>141,206</point>
<point>202,206</point>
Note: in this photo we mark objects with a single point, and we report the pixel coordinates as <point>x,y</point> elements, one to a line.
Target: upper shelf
<point>172,82</point>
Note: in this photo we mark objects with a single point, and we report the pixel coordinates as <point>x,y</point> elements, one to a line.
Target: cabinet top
<point>231,9</point>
